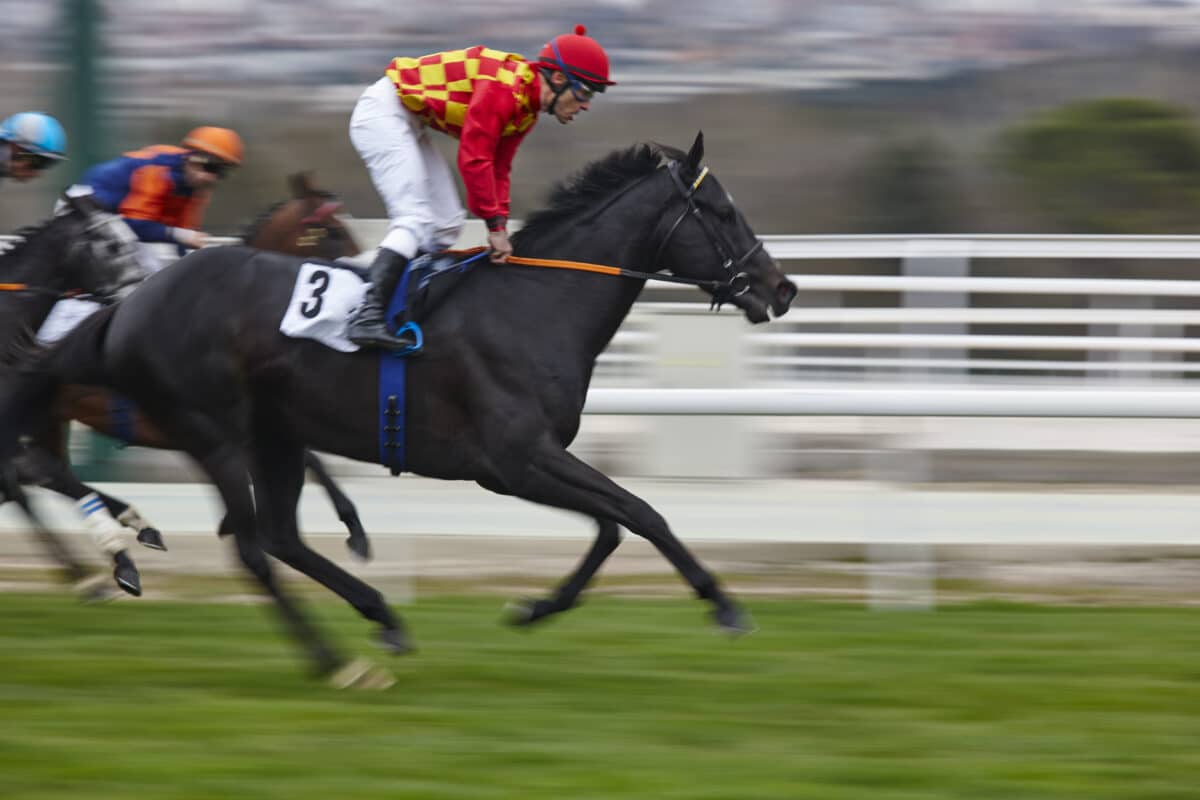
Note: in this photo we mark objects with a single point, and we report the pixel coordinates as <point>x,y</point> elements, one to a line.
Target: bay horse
<point>495,398</point>
<point>304,226</point>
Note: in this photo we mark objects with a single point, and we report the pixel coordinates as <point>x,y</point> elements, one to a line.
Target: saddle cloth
<point>64,317</point>
<point>321,303</point>
<point>324,297</point>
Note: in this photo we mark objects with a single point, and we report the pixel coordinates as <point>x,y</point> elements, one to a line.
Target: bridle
<point>737,281</point>
<point>75,245</point>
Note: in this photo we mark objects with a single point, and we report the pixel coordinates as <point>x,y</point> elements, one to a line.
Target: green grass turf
<point>621,698</point>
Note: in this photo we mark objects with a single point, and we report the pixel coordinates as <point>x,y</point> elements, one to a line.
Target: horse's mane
<point>582,191</point>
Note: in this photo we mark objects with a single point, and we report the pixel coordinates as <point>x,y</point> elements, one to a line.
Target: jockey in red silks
<point>162,191</point>
<point>488,100</point>
<point>30,143</point>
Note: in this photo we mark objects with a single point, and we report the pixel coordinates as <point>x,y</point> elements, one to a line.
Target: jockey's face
<point>202,172</point>
<point>25,166</point>
<point>570,102</point>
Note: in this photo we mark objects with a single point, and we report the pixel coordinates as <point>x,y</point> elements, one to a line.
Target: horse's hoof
<point>734,621</point>
<point>95,589</point>
<point>359,546</point>
<point>361,673</point>
<point>126,574</point>
<point>395,641</point>
<point>152,538</point>
<point>526,611</point>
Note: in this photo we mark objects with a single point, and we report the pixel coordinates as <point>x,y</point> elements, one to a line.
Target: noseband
<point>737,281</point>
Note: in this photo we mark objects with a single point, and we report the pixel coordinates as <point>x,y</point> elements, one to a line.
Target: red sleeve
<point>503,169</point>
<point>484,158</point>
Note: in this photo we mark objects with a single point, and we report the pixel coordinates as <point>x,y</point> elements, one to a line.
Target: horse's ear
<point>301,185</point>
<point>696,154</point>
<point>81,199</point>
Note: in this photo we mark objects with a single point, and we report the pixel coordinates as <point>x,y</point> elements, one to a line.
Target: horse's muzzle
<point>785,293</point>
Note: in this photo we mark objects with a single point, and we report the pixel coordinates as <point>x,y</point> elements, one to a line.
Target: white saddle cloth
<point>321,304</point>
<point>64,317</point>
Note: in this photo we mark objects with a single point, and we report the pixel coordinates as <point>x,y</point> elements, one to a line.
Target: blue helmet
<point>36,132</point>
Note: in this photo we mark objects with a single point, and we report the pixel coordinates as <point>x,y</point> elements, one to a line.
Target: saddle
<point>326,294</point>
<point>432,277</point>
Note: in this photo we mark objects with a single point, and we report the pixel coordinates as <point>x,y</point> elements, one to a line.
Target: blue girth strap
<point>120,414</point>
<point>392,373</point>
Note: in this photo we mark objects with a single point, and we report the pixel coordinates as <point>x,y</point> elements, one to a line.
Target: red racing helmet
<point>579,56</point>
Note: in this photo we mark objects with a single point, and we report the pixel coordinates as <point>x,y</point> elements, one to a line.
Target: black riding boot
<point>368,327</point>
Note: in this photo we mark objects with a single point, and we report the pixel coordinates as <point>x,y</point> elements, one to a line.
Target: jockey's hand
<point>500,246</point>
<point>189,238</point>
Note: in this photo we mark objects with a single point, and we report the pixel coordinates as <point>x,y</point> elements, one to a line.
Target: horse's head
<point>99,253</point>
<point>305,226</point>
<point>702,235</point>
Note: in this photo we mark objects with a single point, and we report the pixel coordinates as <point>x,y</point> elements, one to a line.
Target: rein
<point>585,266</point>
<point>723,291</point>
<point>25,287</point>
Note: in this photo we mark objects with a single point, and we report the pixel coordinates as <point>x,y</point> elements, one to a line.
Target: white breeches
<point>412,178</point>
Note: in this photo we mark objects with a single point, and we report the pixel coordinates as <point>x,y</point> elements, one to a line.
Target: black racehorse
<point>81,250</point>
<point>496,397</point>
<point>303,226</point>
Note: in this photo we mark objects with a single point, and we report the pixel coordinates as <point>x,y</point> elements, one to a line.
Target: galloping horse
<point>303,226</point>
<point>83,249</point>
<point>496,398</point>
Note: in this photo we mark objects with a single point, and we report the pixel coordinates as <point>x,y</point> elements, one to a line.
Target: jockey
<point>162,190</point>
<point>488,100</point>
<point>30,142</point>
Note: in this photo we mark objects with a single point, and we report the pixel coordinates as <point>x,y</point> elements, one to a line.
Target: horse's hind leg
<point>279,474</point>
<point>347,513</point>
<point>525,612</point>
<point>229,468</point>
<point>555,477</point>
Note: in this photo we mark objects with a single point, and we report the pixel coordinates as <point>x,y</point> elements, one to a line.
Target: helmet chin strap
<point>558,91</point>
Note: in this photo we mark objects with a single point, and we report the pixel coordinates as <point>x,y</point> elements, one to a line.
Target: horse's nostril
<point>786,292</point>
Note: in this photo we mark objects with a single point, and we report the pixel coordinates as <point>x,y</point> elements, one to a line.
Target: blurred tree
<point>907,186</point>
<point>1119,165</point>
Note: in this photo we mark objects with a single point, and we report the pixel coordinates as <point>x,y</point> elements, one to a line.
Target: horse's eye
<point>113,248</point>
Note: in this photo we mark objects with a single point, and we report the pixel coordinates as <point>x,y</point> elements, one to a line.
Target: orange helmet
<point>221,143</point>
<point>579,57</point>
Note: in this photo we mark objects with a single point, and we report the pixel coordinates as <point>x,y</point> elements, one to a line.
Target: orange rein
<point>13,287</point>
<point>524,261</point>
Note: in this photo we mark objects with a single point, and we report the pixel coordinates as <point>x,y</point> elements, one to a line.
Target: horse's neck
<point>33,263</point>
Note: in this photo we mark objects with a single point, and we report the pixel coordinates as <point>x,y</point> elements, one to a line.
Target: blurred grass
<point>621,698</point>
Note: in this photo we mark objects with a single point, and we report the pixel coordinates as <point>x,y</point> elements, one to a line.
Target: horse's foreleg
<point>54,474</point>
<point>347,513</point>
<point>278,479</point>
<point>127,515</point>
<point>525,612</point>
<point>555,477</point>
<point>88,585</point>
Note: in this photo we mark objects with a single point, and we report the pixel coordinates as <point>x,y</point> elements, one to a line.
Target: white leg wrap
<point>104,529</point>
<point>132,520</point>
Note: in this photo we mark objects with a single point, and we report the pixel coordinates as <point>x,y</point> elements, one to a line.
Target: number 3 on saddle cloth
<point>323,299</point>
